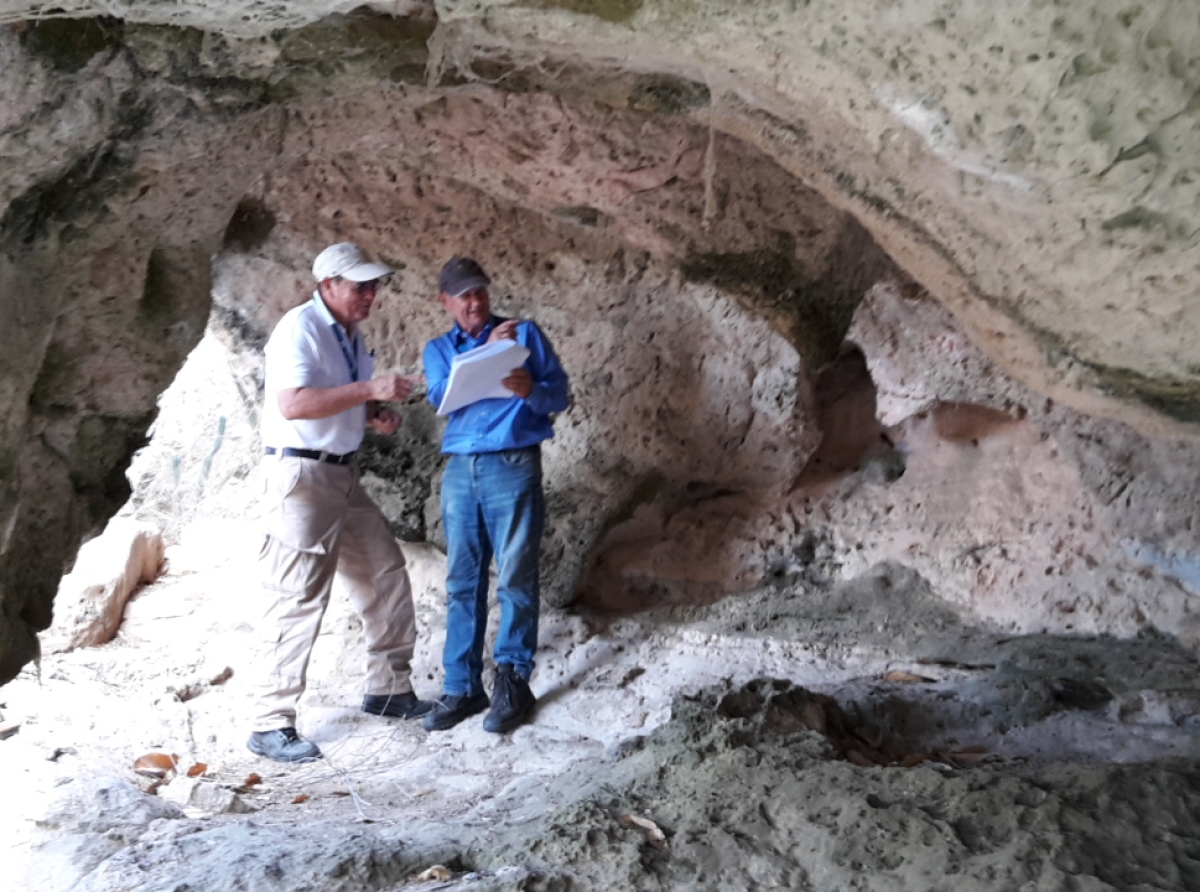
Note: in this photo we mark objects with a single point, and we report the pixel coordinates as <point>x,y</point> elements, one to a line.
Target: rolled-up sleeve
<point>551,390</point>
<point>437,359</point>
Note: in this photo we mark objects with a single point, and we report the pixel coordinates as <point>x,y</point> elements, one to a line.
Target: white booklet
<point>476,374</point>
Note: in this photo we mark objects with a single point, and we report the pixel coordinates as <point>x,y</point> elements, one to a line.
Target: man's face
<point>349,302</point>
<point>471,310</point>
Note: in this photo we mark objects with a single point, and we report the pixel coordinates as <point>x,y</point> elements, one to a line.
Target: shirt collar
<point>461,336</point>
<point>327,316</point>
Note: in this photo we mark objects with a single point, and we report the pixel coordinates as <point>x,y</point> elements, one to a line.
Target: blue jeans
<point>491,504</point>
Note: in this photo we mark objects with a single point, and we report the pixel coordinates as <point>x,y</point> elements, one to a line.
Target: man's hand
<point>505,331</point>
<point>385,421</point>
<point>298,403</point>
<point>391,388</point>
<point>519,381</point>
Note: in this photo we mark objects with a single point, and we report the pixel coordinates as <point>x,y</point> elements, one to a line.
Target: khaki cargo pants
<point>319,522</point>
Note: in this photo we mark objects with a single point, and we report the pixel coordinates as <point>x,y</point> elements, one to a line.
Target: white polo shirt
<point>305,350</point>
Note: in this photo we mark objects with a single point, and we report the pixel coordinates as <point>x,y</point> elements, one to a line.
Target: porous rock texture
<point>1031,168</point>
<point>808,734</point>
<point>877,321</point>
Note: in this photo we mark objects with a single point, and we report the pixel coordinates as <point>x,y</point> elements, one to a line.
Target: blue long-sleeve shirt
<point>495,424</point>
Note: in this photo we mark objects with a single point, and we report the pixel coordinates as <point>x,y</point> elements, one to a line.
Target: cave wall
<point>727,178</point>
<point>114,203</point>
<point>675,384</point>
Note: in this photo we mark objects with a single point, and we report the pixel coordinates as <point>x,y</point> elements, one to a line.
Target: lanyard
<point>349,349</point>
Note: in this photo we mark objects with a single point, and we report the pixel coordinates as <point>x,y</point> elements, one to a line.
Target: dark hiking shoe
<point>453,708</point>
<point>512,701</point>
<point>396,706</point>
<point>283,745</point>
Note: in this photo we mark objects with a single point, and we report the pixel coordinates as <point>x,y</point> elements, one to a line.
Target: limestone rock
<point>108,571</point>
<point>87,824</point>
<point>203,796</point>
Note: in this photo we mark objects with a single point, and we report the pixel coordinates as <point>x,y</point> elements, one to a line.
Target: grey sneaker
<point>512,701</point>
<point>397,706</point>
<point>453,708</point>
<point>283,745</point>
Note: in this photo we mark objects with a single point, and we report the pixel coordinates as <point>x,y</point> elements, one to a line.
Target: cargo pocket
<point>299,515</point>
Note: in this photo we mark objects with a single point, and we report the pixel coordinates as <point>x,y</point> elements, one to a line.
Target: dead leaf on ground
<point>340,793</point>
<point>157,765</point>
<point>814,717</point>
<point>968,757</point>
<point>874,741</point>
<point>303,797</point>
<point>197,770</point>
<point>248,785</point>
<point>912,760</point>
<point>907,677</point>
<point>188,692</point>
<point>437,872</point>
<point>7,731</point>
<point>854,757</point>
<point>221,677</point>
<point>654,835</point>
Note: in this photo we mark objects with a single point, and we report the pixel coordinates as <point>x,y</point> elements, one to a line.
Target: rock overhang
<point>998,158</point>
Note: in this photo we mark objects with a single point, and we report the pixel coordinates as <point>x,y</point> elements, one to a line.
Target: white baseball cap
<point>346,260</point>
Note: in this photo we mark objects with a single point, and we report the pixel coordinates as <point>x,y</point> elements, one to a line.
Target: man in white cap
<point>320,396</point>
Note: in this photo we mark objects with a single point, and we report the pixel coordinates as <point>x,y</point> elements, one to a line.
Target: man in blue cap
<point>492,503</point>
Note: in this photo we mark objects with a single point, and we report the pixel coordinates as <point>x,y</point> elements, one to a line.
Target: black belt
<point>314,454</point>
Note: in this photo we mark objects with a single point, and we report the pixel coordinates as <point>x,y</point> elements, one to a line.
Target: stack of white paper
<point>476,374</point>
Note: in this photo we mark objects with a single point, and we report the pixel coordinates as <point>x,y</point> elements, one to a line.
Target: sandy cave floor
<point>1036,762</point>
